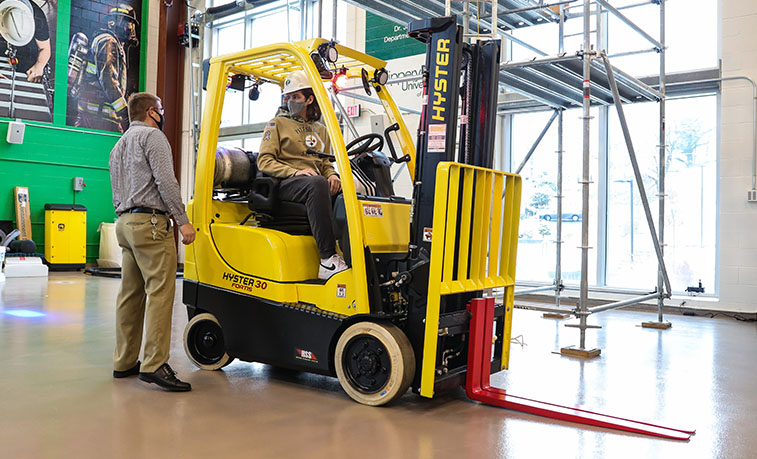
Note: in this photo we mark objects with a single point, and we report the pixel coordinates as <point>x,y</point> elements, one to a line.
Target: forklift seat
<point>271,211</point>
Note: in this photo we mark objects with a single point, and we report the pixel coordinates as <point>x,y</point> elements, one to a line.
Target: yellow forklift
<point>409,311</point>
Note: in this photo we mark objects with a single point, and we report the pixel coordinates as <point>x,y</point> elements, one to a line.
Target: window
<point>262,25</point>
<point>690,185</point>
<point>538,225</point>
<point>690,36</point>
<point>626,256</point>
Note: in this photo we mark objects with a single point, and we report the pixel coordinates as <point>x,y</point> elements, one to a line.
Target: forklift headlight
<point>328,51</point>
<point>381,76</point>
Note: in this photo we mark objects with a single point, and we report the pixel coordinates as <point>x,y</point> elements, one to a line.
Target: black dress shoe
<point>166,378</point>
<point>126,373</point>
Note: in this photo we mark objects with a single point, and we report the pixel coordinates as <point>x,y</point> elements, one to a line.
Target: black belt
<point>144,210</point>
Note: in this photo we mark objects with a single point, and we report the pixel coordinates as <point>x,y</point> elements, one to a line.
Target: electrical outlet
<point>79,183</point>
<point>751,196</point>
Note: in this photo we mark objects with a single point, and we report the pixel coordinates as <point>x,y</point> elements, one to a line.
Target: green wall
<point>53,154</point>
<point>46,163</point>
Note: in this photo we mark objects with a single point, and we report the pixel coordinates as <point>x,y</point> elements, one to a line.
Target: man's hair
<point>139,103</point>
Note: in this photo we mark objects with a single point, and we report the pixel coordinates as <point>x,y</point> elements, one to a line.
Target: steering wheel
<point>369,142</point>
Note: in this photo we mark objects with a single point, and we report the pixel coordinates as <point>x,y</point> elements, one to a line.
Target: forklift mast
<point>459,76</point>
<point>460,82</point>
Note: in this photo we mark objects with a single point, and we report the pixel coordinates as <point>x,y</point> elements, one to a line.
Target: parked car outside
<point>566,217</point>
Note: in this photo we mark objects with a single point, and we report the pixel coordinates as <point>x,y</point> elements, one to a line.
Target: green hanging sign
<point>387,40</point>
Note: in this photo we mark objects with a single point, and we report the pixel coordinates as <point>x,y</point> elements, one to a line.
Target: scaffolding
<point>583,79</point>
<point>556,82</point>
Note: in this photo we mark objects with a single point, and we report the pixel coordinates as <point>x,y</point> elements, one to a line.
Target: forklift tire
<point>375,363</point>
<point>203,343</point>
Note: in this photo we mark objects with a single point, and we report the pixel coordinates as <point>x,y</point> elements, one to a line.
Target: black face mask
<point>159,123</point>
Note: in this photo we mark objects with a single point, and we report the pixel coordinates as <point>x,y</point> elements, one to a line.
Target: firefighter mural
<point>103,65</point>
<point>27,50</point>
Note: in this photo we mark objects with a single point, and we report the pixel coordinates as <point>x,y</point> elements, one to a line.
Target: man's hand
<point>335,185</point>
<point>187,233</point>
<point>34,74</point>
<point>307,172</point>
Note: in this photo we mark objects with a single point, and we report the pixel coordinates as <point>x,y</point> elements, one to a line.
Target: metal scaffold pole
<point>585,179</point>
<point>661,180</point>
<point>558,237</point>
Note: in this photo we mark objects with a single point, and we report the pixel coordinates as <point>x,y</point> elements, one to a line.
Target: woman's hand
<point>306,172</point>
<point>335,185</point>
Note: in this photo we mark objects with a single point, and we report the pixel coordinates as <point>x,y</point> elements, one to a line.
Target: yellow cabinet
<point>65,236</point>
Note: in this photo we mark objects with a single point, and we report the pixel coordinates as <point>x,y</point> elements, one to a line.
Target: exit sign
<point>353,111</point>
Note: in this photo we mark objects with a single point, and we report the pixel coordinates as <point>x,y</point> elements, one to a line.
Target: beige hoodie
<point>285,139</point>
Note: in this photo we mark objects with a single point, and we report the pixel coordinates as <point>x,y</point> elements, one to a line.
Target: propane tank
<point>234,168</point>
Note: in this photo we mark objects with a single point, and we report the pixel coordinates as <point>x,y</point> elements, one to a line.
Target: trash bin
<point>65,236</point>
<point>110,252</point>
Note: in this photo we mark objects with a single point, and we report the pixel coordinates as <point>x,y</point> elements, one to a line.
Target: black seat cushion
<point>274,213</point>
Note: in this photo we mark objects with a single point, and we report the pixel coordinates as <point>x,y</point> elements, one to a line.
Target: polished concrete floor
<point>57,397</point>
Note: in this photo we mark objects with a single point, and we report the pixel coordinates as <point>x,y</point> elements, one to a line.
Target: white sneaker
<point>330,266</point>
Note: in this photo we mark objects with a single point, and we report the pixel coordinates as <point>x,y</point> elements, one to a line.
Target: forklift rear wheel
<point>374,362</point>
<point>203,342</point>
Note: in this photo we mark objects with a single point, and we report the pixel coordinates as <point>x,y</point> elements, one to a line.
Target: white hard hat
<point>296,81</point>
<point>16,22</point>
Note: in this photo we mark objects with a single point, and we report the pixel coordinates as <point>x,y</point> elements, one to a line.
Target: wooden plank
<point>572,351</point>
<point>657,325</point>
<point>554,315</point>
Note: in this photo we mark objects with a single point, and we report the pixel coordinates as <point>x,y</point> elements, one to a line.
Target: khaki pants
<point>148,283</point>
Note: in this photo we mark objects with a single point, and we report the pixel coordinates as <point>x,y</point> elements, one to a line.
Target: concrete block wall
<point>738,218</point>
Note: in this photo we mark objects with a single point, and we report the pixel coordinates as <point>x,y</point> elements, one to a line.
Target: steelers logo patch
<point>311,141</point>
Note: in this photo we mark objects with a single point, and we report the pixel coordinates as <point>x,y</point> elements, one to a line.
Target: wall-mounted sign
<point>386,40</point>
<point>353,111</point>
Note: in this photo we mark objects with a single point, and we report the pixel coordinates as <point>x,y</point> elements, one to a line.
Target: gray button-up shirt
<point>141,173</point>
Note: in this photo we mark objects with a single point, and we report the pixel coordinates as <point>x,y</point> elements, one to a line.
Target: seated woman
<point>305,178</point>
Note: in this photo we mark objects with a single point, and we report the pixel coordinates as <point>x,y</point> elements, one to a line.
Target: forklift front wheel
<point>203,343</point>
<point>374,362</point>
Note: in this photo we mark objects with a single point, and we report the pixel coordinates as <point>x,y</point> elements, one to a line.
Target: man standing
<point>102,101</point>
<point>145,193</point>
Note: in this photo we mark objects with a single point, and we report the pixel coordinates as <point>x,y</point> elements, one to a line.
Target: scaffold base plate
<point>572,351</point>
<point>657,325</point>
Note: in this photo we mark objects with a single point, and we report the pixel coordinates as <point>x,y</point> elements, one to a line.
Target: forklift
<point>411,310</point>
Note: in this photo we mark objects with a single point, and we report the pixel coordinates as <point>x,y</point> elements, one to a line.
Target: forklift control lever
<point>319,154</point>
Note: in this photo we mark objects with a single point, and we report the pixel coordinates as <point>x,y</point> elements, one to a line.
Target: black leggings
<point>314,192</point>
